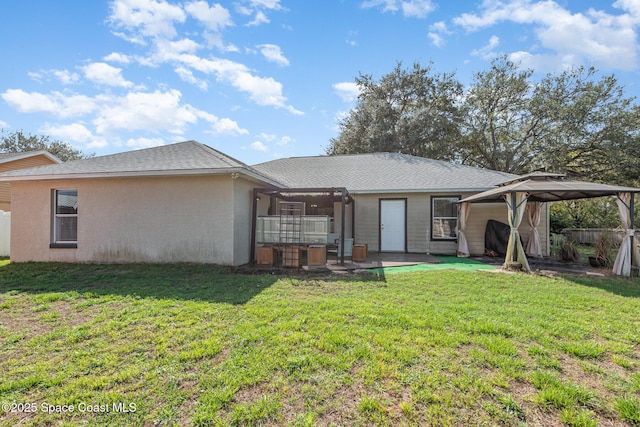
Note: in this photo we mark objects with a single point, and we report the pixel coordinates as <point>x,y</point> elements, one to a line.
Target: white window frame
<point>55,238</point>
<point>452,199</point>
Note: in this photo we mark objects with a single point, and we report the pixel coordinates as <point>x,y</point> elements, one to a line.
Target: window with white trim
<point>65,217</point>
<point>444,217</point>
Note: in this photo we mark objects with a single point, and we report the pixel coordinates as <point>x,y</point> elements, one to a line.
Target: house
<point>15,161</point>
<point>187,202</point>
<point>402,203</point>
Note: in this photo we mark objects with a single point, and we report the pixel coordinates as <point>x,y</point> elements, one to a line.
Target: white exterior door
<point>392,225</point>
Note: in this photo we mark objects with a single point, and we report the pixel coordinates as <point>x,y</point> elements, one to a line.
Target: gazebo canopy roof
<point>546,187</point>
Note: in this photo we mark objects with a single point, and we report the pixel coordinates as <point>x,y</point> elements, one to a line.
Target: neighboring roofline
<point>146,174</point>
<point>27,154</point>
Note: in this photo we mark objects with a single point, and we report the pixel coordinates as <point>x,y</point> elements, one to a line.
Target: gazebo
<point>528,192</point>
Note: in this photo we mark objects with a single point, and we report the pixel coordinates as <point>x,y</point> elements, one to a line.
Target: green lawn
<point>200,345</point>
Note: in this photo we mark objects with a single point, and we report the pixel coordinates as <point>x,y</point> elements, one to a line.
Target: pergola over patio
<point>537,188</point>
<point>334,194</point>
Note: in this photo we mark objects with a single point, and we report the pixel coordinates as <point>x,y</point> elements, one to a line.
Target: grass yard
<point>199,345</point>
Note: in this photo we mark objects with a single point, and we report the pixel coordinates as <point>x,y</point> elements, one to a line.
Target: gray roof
<point>359,173</point>
<point>380,172</point>
<point>189,157</point>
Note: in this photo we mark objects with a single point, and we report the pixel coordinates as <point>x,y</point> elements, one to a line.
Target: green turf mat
<point>447,263</point>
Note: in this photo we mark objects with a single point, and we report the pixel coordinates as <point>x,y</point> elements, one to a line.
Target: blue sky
<point>262,79</point>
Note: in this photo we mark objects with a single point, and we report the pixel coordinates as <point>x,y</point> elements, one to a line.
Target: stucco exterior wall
<point>418,207</point>
<point>170,219</point>
<point>29,162</point>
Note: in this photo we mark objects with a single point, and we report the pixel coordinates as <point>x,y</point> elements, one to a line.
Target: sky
<point>264,79</point>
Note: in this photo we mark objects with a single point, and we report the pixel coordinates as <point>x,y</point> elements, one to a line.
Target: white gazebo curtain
<point>628,253</point>
<point>516,202</point>
<point>534,248</point>
<point>463,216</point>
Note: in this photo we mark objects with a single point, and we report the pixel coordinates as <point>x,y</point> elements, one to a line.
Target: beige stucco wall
<point>419,220</point>
<point>170,219</point>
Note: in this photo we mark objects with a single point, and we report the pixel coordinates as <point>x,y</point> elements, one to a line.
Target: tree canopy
<point>412,112</point>
<point>18,142</point>
<point>575,122</point>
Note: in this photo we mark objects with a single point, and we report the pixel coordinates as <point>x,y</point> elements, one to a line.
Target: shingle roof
<point>359,173</point>
<point>184,157</point>
<point>380,172</point>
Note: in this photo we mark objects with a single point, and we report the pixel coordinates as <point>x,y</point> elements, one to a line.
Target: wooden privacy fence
<point>5,233</point>
<point>589,236</point>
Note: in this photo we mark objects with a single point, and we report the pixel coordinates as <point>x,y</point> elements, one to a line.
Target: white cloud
<point>632,6</point>
<point>410,8</point>
<point>66,77</point>
<point>487,51</point>
<point>440,27</point>
<point>145,18</point>
<point>70,132</point>
<point>270,137</point>
<point>266,4</point>
<point>604,39</point>
<point>260,18</point>
<point>258,8</point>
<point>36,76</point>
<point>156,20</point>
<point>436,34</point>
<point>56,103</point>
<point>417,8</point>
<point>348,91</point>
<point>262,90</point>
<point>220,126</point>
<point>167,50</point>
<point>259,146</point>
<point>227,127</point>
<point>187,76</point>
<point>273,53</point>
<point>436,39</point>
<point>285,140</point>
<point>117,57</point>
<point>215,18</point>
<point>144,142</point>
<point>105,74</point>
<point>3,124</point>
<point>155,112</point>
<point>74,132</point>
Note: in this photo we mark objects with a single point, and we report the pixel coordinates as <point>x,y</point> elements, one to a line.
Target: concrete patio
<point>382,259</point>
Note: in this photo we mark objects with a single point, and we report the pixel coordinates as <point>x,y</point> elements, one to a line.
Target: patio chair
<point>348,249</point>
